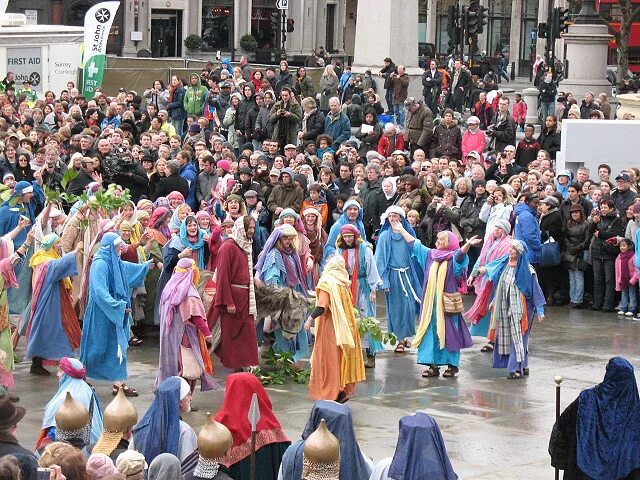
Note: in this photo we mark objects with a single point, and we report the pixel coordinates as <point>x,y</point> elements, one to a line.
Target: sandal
<point>342,397</point>
<point>400,348</point>
<point>431,372</point>
<point>407,344</point>
<point>487,348</point>
<point>128,391</point>
<point>525,372</point>
<point>514,375</point>
<point>135,342</point>
<point>450,372</point>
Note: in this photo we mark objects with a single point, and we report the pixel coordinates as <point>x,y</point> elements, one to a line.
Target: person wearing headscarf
<point>365,281</point>
<point>496,244</point>
<point>351,214</point>
<point>336,362</point>
<point>401,278</point>
<point>165,466</point>
<point>317,239</point>
<point>596,436</point>
<point>354,465</point>
<point>442,332</point>
<point>279,264</point>
<point>177,217</point>
<point>161,430</point>
<point>189,243</point>
<point>235,304</point>
<point>271,442</point>
<point>23,202</point>
<point>420,452</point>
<point>53,330</point>
<point>289,216</point>
<point>183,329</point>
<point>102,227</point>
<point>105,336</point>
<point>131,464</point>
<point>517,297</point>
<point>71,378</point>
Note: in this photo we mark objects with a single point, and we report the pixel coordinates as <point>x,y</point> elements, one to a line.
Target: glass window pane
<point>217,22</point>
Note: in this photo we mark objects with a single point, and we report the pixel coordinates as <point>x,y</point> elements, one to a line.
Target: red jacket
<point>388,145</point>
<point>473,141</point>
<point>519,111</point>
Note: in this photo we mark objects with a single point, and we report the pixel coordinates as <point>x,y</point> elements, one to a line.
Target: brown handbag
<point>452,302</point>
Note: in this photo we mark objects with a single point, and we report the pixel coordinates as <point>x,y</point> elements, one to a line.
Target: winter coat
<point>622,200</point>
<point>548,91</point>
<point>490,214</point>
<point>437,220</point>
<point>519,112</point>
<point>575,239</point>
<point>172,183</point>
<point>504,132</point>
<point>550,141</point>
<point>400,89</point>
<point>526,152</point>
<point>286,196</point>
<point>608,227</point>
<point>250,123</point>
<point>419,127</point>
<point>446,140</point>
<point>633,271</point>
<point>484,112</point>
<point>194,97</point>
<point>312,125</point>
<point>134,178</point>
<point>245,105</point>
<point>566,205</point>
<point>328,89</point>
<point>285,129</point>
<point>473,142</point>
<point>338,128</point>
<point>304,88</point>
<point>386,72</point>
<point>228,122</point>
<point>263,128</point>
<point>354,111</point>
<point>551,226</point>
<point>387,145</point>
<point>159,99</point>
<point>220,102</point>
<point>527,230</point>
<point>285,79</point>
<point>373,204</point>
<point>419,198</point>
<point>189,173</point>
<point>470,222</point>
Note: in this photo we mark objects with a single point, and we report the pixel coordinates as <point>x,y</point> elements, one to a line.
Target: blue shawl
<point>339,422</point>
<point>608,424</point>
<point>523,273</point>
<point>330,246</point>
<point>118,277</point>
<point>198,246</point>
<point>159,430</point>
<point>420,452</point>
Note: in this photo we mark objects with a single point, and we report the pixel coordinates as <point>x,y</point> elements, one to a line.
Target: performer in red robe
<point>235,304</point>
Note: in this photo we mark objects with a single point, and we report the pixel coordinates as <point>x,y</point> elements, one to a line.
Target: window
<point>217,25</point>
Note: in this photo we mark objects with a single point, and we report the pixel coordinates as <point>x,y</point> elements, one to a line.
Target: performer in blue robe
<point>107,318</point>
<point>279,265</point>
<point>26,199</point>
<point>516,298</point>
<point>400,278</point>
<point>351,213</point>
<point>53,331</point>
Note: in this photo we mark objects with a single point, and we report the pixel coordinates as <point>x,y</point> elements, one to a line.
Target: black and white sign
<point>26,63</point>
<point>282,4</point>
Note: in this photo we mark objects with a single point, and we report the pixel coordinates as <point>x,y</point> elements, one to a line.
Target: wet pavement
<point>493,427</point>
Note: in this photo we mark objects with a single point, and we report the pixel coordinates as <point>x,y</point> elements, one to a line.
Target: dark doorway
<point>331,28</point>
<point>166,33</point>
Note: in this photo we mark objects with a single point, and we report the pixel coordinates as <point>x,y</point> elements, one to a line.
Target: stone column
<point>587,46</point>
<point>515,34</point>
<point>432,20</point>
<point>543,13</point>
<point>530,97</point>
<point>242,10</point>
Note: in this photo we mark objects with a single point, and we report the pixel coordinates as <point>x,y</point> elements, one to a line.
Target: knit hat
<point>224,165</point>
<point>194,128</point>
<point>99,466</point>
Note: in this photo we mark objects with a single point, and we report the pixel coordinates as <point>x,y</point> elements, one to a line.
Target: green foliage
<point>280,367</point>
<point>248,43</point>
<point>371,326</point>
<point>193,42</point>
<point>57,197</point>
<point>68,176</point>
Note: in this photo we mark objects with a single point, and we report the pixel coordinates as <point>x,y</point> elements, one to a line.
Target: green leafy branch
<point>371,325</point>
<point>280,367</point>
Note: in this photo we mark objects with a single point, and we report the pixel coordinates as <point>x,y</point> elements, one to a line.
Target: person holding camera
<point>502,130</point>
<point>286,116</point>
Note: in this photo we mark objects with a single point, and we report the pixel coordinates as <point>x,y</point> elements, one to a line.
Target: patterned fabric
<point>508,314</point>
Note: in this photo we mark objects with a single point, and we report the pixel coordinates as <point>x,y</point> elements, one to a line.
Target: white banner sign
<point>97,24</point>
<point>26,63</point>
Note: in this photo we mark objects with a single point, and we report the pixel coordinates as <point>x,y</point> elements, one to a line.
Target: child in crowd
<point>413,217</point>
<point>337,212</point>
<point>324,145</point>
<point>317,200</point>
<point>627,279</point>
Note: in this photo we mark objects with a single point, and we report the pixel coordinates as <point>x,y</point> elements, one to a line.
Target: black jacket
<point>470,222</point>
<point>446,140</point>
<point>172,183</point>
<point>548,91</point>
<point>314,125</point>
<point>550,141</point>
<point>551,226</point>
<point>133,177</point>
<point>566,205</point>
<point>609,226</point>
<point>504,132</point>
<point>373,204</point>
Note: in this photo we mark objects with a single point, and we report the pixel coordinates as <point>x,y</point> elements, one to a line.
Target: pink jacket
<point>632,269</point>
<point>473,141</point>
<point>519,111</point>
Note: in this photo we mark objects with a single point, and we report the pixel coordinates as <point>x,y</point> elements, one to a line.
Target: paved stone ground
<point>493,428</point>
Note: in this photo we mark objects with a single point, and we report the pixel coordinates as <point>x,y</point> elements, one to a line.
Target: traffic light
<point>451,20</point>
<point>482,18</point>
<point>470,21</point>
<point>543,30</point>
<point>454,40</point>
<point>560,21</point>
<point>290,25</point>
